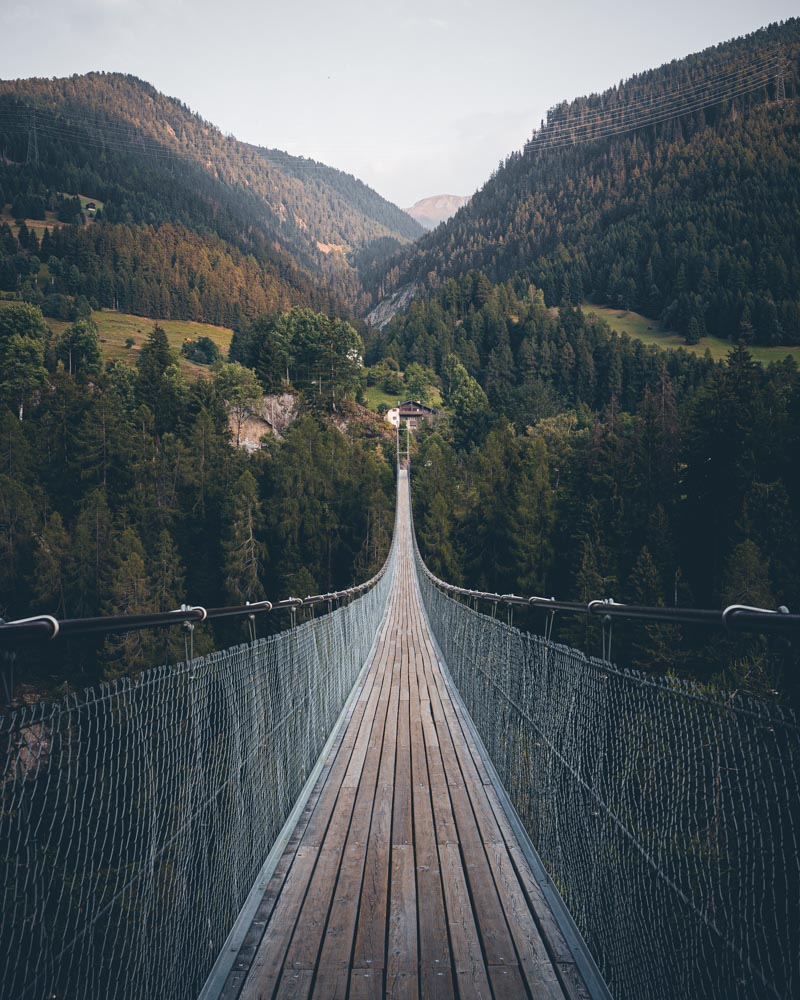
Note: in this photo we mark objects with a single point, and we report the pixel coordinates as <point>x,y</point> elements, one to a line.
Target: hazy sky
<point>416,98</point>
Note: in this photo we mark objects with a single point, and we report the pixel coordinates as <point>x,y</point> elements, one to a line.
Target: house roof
<point>415,404</point>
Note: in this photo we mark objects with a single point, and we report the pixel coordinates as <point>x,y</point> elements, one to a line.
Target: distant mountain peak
<point>429,212</point>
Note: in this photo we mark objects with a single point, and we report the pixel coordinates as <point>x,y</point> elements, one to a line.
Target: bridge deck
<point>403,877</point>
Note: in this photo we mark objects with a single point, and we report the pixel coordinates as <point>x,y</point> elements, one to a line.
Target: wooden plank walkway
<point>403,877</point>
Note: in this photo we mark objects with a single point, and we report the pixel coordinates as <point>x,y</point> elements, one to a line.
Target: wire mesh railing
<point>137,815</point>
<point>667,815</point>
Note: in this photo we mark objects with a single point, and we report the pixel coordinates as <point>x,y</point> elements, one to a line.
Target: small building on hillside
<point>412,413</point>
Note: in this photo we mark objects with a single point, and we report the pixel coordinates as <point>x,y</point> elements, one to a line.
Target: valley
<point>305,692</point>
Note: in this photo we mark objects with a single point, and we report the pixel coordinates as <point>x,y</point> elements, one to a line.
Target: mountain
<point>429,212</point>
<point>676,193</point>
<point>188,222</point>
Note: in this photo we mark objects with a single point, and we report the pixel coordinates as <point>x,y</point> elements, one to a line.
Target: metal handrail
<point>47,627</point>
<point>735,618</point>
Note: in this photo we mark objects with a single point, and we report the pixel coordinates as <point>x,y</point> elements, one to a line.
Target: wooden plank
<point>507,983</point>
<point>402,943</point>
<point>572,981</point>
<point>295,984</point>
<point>268,962</point>
<point>373,907</point>
<point>340,931</point>
<point>366,984</point>
<point>469,966</point>
<point>494,932</point>
<point>277,939</point>
<point>533,956</point>
<point>500,839</point>
<point>442,810</point>
<point>434,947</point>
<point>526,932</point>
<point>333,985</point>
<point>404,986</point>
<point>306,943</point>
<point>307,936</point>
<point>402,828</point>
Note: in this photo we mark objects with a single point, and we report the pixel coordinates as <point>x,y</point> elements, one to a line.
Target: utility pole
<point>33,141</point>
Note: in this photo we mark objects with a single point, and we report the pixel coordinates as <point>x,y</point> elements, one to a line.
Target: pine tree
<point>90,562</point>
<point>17,514</point>
<point>436,540</point>
<point>22,371</point>
<point>168,574</point>
<point>130,592</point>
<point>49,583</point>
<point>168,594</point>
<point>155,387</point>
<point>532,520</point>
<point>244,552</point>
<point>746,579</point>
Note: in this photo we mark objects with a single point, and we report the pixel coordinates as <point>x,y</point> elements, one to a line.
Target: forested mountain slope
<point>693,218</point>
<point>190,223</point>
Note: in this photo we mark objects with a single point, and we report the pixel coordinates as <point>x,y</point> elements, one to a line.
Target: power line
<point>607,123</point>
<point>579,132</point>
<point>765,66</point>
<point>644,122</point>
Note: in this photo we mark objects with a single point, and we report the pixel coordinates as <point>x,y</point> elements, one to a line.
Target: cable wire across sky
<point>602,123</point>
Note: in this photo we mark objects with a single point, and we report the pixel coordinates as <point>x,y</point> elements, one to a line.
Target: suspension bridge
<point>402,797</point>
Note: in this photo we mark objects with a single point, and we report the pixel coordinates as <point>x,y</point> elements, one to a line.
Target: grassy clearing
<point>374,395</point>
<point>38,225</point>
<point>650,331</point>
<point>50,218</point>
<point>116,328</point>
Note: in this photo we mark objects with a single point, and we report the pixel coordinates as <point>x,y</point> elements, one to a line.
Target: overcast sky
<point>415,97</point>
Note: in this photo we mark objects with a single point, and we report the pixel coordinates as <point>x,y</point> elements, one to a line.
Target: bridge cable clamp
<point>605,602</point>
<point>260,605</point>
<point>51,621</point>
<point>731,608</point>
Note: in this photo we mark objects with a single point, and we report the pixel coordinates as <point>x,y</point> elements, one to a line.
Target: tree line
<point>166,272</point>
